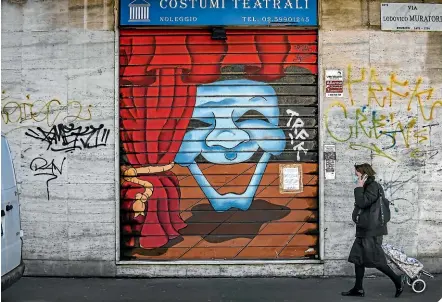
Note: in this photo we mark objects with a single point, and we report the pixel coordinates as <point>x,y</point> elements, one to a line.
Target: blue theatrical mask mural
<point>235,119</point>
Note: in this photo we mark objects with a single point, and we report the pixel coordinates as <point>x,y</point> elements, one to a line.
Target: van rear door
<point>11,239</point>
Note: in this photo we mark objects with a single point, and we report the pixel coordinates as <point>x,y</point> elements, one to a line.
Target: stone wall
<point>390,116</point>
<point>58,85</point>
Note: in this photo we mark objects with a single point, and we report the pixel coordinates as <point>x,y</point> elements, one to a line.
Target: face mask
<point>355,179</point>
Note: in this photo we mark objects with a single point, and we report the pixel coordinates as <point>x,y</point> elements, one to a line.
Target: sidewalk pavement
<point>213,289</point>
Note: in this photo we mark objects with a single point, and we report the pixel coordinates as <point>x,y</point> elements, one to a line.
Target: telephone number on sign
<point>277,19</point>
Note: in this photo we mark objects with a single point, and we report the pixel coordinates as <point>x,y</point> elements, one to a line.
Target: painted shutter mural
<point>206,126</point>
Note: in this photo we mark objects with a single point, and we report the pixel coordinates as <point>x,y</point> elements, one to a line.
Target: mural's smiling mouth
<point>226,179</point>
<point>222,202</point>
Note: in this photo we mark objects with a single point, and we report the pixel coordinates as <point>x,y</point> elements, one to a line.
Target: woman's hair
<point>365,169</point>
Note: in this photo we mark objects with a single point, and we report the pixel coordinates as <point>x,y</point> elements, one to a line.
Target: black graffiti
<point>398,190</point>
<point>420,154</point>
<point>42,167</point>
<point>68,138</point>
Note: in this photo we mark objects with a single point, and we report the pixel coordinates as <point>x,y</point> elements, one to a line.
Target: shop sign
<point>218,12</point>
<point>411,16</point>
<point>334,83</point>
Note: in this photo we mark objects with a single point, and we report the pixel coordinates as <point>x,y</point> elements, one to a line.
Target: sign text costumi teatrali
<point>218,12</point>
<point>243,4</point>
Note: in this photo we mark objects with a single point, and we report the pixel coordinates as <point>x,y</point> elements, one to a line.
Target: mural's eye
<point>194,123</point>
<point>252,115</point>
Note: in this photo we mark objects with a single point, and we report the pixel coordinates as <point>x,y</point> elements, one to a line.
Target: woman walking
<point>367,248</point>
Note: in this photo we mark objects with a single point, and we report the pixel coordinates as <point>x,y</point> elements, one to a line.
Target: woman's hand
<point>361,181</point>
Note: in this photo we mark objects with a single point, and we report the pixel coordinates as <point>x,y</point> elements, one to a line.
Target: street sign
<point>218,12</point>
<point>411,16</point>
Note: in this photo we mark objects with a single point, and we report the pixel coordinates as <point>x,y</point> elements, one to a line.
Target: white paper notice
<point>291,179</point>
<point>330,161</point>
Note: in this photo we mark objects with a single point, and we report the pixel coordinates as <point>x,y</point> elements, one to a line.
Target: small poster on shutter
<point>290,178</point>
<point>334,83</point>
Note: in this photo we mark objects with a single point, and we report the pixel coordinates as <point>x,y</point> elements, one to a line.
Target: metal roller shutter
<point>213,133</point>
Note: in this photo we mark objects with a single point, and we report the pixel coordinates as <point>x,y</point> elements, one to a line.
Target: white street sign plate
<point>411,16</point>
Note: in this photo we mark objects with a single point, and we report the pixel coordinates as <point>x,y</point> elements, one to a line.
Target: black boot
<point>354,293</point>
<point>400,288</point>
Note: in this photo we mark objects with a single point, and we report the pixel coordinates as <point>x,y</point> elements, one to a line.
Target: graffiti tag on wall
<point>299,133</point>
<point>41,167</point>
<point>49,112</point>
<point>67,138</point>
<point>398,114</point>
<point>59,137</point>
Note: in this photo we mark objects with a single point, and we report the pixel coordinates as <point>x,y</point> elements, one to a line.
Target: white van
<point>12,263</point>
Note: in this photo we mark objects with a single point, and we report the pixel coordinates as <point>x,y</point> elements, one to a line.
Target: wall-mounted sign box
<point>218,12</point>
<point>411,16</point>
<point>334,83</point>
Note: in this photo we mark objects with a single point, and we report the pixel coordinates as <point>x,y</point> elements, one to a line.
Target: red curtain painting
<point>159,74</point>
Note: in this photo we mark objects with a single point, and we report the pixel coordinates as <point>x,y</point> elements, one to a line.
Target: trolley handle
<point>427,274</point>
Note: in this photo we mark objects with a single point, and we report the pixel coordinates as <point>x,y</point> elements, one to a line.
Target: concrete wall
<point>58,68</point>
<point>383,67</point>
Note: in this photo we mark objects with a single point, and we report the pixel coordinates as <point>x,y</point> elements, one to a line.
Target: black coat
<point>365,197</point>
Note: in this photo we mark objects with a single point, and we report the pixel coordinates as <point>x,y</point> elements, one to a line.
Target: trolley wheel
<point>419,286</point>
<point>408,280</point>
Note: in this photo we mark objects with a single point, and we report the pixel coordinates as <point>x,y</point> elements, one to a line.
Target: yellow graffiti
<point>379,123</point>
<point>344,109</point>
<point>361,118</point>
<point>14,112</point>
<point>374,86</point>
<point>368,124</point>
<point>417,95</point>
<point>392,91</point>
<point>375,149</point>
<point>350,82</point>
<point>371,125</point>
<point>416,153</point>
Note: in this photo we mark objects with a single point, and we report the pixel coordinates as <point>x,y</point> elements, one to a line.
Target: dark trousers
<point>384,268</point>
